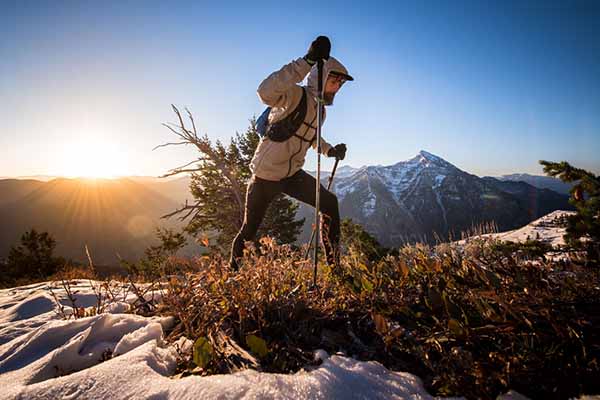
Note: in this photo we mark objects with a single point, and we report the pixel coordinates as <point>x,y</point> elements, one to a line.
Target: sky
<point>491,87</point>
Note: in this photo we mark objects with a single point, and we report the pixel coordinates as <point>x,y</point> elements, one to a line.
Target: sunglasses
<point>335,78</point>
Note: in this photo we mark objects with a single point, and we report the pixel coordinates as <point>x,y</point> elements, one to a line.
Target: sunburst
<point>92,159</point>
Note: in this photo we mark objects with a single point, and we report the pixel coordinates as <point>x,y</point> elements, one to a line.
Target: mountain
<point>13,189</point>
<point>539,181</point>
<point>537,201</point>
<point>44,178</point>
<point>342,172</point>
<point>112,216</point>
<point>176,189</point>
<point>426,198</point>
<point>419,199</point>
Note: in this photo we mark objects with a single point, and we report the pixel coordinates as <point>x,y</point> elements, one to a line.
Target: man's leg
<point>259,194</point>
<point>301,186</point>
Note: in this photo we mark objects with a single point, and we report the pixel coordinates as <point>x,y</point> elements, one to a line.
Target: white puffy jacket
<point>281,90</point>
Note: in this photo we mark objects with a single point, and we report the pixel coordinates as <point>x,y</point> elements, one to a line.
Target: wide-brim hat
<point>343,75</point>
<point>337,68</point>
<point>331,66</point>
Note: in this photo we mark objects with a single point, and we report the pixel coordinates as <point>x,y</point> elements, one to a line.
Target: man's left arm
<point>325,146</point>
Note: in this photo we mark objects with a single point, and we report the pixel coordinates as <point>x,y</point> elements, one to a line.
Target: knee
<point>333,198</point>
<point>330,201</point>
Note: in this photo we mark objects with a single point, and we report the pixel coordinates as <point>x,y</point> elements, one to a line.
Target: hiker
<point>291,129</point>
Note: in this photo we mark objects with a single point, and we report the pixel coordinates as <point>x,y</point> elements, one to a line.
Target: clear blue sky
<point>490,87</point>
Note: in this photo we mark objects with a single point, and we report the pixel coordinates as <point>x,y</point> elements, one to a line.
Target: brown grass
<point>472,321</point>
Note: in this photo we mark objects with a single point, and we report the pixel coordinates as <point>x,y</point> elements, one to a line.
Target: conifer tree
<point>33,257</point>
<point>356,238</point>
<point>218,186</point>
<point>585,196</point>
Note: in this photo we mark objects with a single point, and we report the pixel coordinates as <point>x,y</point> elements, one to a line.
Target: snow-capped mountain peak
<point>429,160</point>
<point>399,177</point>
<point>413,198</point>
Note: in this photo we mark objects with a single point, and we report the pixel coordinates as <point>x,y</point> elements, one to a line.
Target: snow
<point>369,206</point>
<point>44,356</point>
<point>548,229</point>
<point>438,199</point>
<point>345,171</point>
<point>398,178</point>
<point>114,355</point>
<point>342,189</point>
<point>439,179</point>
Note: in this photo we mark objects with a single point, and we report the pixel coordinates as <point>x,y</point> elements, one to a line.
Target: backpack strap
<point>263,122</point>
<point>309,126</point>
<point>281,131</point>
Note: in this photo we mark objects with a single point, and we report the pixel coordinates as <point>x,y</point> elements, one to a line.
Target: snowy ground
<point>44,356</point>
<point>550,229</point>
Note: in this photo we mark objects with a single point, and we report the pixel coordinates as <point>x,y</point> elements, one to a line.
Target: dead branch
<point>181,209</point>
<point>177,169</point>
<point>175,172</point>
<point>203,145</point>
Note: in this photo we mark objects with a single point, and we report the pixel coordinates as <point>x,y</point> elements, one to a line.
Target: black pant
<point>300,186</point>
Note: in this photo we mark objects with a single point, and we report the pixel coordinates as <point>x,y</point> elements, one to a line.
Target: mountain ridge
<point>419,199</point>
<point>426,198</point>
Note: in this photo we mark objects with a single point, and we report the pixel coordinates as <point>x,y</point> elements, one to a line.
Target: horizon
<point>43,177</point>
<point>492,91</point>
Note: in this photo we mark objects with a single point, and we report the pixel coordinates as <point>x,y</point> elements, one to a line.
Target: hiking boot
<point>233,265</point>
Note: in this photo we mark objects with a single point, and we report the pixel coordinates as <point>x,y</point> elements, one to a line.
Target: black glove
<point>319,50</point>
<point>338,151</point>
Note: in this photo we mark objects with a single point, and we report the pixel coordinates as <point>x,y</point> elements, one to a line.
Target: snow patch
<point>438,180</point>
<point>438,199</point>
<point>369,206</point>
<point>549,229</point>
<point>122,356</point>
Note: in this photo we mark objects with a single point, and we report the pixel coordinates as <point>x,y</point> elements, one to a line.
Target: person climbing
<point>291,128</point>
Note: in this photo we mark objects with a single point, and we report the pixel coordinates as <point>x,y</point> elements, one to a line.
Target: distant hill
<point>43,178</point>
<point>111,216</point>
<point>13,189</point>
<point>176,189</point>
<point>539,181</point>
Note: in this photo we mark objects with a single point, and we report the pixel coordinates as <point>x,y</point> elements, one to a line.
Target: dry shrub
<point>469,320</point>
<point>71,272</point>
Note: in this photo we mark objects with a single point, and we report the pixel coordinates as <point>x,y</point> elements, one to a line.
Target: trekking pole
<point>312,235</point>
<point>318,180</point>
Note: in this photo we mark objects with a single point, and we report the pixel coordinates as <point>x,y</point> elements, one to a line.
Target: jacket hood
<point>331,65</point>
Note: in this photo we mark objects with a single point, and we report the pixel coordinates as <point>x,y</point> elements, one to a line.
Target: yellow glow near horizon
<point>92,158</point>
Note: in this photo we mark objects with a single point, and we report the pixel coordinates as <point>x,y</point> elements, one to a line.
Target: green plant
<point>32,258</point>
<point>218,181</point>
<point>159,260</point>
<point>530,249</point>
<point>583,228</point>
<point>356,239</point>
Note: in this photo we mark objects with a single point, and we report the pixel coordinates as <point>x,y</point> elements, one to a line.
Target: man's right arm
<point>277,90</point>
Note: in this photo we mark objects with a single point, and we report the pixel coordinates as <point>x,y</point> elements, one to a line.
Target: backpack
<point>282,130</point>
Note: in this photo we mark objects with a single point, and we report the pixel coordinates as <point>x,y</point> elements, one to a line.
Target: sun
<point>93,159</point>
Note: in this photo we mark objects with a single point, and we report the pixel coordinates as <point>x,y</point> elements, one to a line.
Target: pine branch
<point>566,172</point>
